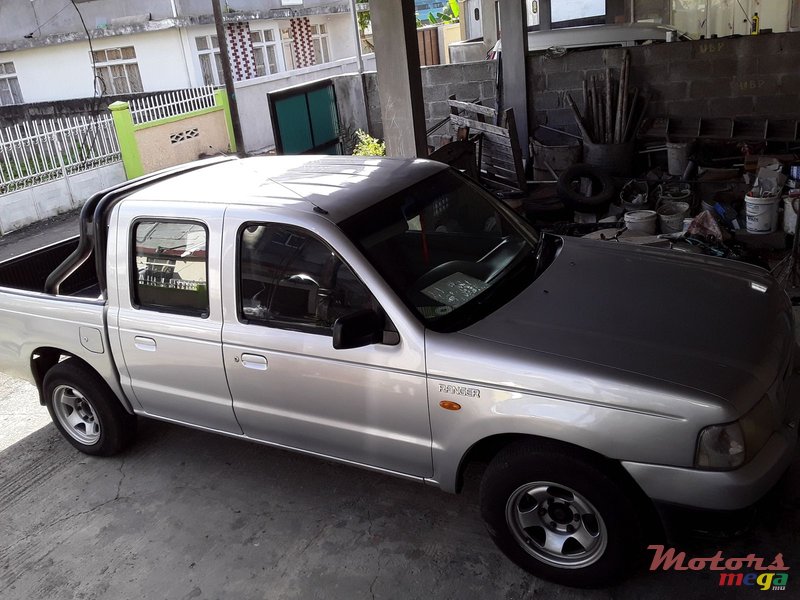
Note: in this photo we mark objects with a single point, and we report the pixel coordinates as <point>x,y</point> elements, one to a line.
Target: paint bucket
<point>675,193</point>
<point>789,214</point>
<point>671,215</point>
<point>762,214</point>
<point>677,157</point>
<point>643,221</point>
<point>686,223</point>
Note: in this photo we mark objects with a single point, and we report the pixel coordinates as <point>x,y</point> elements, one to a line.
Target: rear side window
<point>170,271</point>
<point>290,279</point>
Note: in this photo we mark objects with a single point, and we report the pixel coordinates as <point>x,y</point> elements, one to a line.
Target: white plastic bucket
<point>643,221</point>
<point>671,215</point>
<point>789,215</point>
<point>677,158</point>
<point>762,214</point>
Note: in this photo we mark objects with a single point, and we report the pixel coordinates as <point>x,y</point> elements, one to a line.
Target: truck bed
<point>29,271</point>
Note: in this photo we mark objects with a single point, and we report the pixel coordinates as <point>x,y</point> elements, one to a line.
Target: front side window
<point>170,267</point>
<point>117,70</point>
<point>9,85</point>
<point>450,251</point>
<point>289,278</point>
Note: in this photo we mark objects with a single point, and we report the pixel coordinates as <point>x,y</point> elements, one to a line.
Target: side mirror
<point>361,328</point>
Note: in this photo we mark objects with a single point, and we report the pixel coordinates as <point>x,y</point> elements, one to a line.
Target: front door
<point>169,316</point>
<point>290,386</point>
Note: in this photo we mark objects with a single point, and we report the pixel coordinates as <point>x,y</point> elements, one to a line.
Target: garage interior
<point>689,144</point>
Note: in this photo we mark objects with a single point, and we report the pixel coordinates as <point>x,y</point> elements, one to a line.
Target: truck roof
<point>341,185</point>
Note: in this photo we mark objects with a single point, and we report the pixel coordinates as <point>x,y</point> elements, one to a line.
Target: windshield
<point>447,248</point>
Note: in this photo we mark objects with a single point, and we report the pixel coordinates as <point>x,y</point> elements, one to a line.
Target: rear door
<point>169,314</point>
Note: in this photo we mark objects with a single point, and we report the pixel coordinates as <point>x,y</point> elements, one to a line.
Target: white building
<point>153,45</point>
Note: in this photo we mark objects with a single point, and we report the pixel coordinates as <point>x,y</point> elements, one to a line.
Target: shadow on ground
<point>186,514</point>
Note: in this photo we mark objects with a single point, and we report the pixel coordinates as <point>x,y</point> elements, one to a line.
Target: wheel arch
<point>488,447</point>
<point>45,358</point>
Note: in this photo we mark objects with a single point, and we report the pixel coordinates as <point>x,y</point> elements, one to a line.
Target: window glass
<point>170,272</point>
<point>209,58</point>
<point>291,279</point>
<point>10,92</point>
<point>264,52</point>
<point>117,70</point>
<point>447,248</point>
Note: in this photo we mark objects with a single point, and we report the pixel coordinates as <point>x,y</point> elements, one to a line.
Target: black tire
<point>510,484</point>
<point>85,410</point>
<point>602,189</point>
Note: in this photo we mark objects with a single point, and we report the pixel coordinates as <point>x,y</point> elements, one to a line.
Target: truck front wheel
<point>559,516</point>
<point>85,411</point>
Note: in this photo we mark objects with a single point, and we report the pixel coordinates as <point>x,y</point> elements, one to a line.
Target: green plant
<point>368,145</point>
<point>450,15</point>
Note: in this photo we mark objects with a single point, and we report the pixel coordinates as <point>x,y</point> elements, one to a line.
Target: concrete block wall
<point>38,202</point>
<point>467,81</point>
<point>749,76</point>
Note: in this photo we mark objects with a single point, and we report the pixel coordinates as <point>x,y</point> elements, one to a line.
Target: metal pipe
<point>360,62</point>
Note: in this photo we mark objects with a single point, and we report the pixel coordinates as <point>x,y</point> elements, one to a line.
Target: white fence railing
<point>171,104</point>
<point>34,152</point>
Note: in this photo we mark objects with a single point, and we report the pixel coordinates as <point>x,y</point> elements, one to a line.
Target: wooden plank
<point>506,167</point>
<point>500,150</point>
<point>470,107</point>
<point>478,126</point>
<point>500,160</point>
<point>499,153</point>
<point>522,182</point>
<point>490,138</point>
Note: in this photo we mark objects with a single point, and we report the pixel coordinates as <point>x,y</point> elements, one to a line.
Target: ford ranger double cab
<point>392,315</point>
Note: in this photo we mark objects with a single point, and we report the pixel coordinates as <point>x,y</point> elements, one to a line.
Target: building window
<point>209,57</point>
<point>170,267</point>
<point>287,44</point>
<point>265,52</point>
<point>319,33</point>
<point>9,85</point>
<point>117,70</point>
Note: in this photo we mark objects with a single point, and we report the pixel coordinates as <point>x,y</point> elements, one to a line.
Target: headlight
<point>720,447</point>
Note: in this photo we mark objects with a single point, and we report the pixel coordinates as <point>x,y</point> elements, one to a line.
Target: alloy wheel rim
<point>556,525</point>
<point>76,415</point>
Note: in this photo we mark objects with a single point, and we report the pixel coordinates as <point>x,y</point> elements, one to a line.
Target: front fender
<point>609,431</point>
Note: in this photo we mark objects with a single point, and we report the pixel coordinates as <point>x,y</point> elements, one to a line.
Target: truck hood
<point>704,324</point>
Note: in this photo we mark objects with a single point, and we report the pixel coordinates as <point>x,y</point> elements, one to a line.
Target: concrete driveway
<point>187,514</point>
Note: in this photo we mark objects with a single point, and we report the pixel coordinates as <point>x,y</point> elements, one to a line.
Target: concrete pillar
<point>129,149</point>
<point>399,79</point>
<point>514,25</point>
<point>489,23</point>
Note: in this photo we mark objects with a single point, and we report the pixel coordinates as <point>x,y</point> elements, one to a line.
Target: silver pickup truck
<point>391,315</point>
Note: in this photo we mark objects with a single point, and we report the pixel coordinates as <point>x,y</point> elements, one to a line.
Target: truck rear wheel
<point>560,517</point>
<point>85,410</point>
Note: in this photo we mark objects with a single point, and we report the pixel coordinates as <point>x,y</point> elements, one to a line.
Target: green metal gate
<point>305,119</point>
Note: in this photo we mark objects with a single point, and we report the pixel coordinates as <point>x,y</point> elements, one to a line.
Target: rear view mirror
<point>361,328</point>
